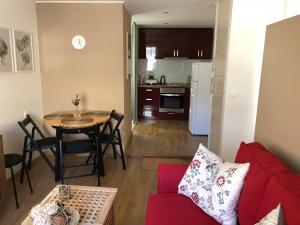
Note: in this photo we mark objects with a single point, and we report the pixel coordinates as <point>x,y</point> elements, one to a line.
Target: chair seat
<point>12,160</point>
<point>77,146</point>
<point>47,142</point>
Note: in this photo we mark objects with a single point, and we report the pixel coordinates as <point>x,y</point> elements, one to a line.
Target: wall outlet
<point>25,113</point>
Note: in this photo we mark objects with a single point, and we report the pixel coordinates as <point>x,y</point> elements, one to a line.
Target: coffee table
<point>94,204</point>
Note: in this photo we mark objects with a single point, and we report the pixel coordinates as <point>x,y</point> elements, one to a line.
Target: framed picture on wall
<point>6,53</point>
<point>24,61</point>
<point>128,56</point>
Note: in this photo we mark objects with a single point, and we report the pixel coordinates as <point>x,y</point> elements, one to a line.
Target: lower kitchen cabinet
<point>171,116</point>
<point>149,104</point>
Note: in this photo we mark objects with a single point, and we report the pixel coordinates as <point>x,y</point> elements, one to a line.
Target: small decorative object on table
<point>76,102</point>
<point>64,192</point>
<point>54,213</point>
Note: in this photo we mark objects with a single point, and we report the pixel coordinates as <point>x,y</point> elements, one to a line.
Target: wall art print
<point>6,59</point>
<point>23,51</point>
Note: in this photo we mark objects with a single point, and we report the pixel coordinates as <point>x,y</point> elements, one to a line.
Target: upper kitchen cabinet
<point>176,43</point>
<point>200,43</point>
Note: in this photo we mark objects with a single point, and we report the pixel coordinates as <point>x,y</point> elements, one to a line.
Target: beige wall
<point>19,91</point>
<point>222,26</point>
<point>96,72</point>
<point>278,121</point>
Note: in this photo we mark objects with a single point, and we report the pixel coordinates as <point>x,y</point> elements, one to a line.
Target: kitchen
<point>175,70</point>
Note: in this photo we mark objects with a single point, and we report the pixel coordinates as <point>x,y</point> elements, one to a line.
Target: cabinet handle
<point>174,52</point>
<point>198,53</point>
<point>177,52</point>
<point>148,99</point>
<point>171,113</point>
<point>201,53</point>
<point>148,89</point>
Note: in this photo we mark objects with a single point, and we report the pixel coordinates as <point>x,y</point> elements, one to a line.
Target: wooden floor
<point>164,138</point>
<point>134,184</point>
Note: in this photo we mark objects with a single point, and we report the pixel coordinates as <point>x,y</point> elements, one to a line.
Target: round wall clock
<point>78,42</point>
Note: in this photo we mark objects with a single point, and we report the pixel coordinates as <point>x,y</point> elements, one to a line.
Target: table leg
<point>57,155</point>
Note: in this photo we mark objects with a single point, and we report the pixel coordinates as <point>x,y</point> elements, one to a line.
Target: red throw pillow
<point>285,189</point>
<point>263,165</point>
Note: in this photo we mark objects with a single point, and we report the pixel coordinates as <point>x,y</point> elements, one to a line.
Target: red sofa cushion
<point>175,209</point>
<point>284,189</point>
<point>263,165</point>
<point>169,176</point>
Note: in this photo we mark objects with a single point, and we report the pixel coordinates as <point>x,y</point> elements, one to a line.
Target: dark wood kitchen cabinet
<point>149,103</point>
<point>192,43</point>
<point>200,43</point>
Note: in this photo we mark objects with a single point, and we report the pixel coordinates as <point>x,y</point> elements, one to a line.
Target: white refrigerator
<point>200,98</point>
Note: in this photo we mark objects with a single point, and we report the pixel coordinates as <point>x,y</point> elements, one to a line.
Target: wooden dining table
<point>75,122</point>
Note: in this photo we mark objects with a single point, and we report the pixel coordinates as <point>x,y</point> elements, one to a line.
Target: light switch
<point>234,93</point>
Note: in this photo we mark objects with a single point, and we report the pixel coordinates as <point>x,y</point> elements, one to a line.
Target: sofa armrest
<point>169,176</point>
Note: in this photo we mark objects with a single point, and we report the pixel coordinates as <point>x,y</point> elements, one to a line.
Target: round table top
<point>75,120</point>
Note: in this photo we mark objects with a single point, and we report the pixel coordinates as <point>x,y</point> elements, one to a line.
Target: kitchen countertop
<point>186,85</point>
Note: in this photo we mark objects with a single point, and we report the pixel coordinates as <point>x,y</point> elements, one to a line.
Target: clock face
<point>78,42</point>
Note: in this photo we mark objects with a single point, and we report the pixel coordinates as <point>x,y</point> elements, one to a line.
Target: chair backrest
<point>24,124</point>
<point>115,119</point>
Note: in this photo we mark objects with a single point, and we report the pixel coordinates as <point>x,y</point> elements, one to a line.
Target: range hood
<point>175,58</point>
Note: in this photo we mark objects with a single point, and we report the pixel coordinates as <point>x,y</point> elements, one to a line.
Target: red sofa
<point>268,183</point>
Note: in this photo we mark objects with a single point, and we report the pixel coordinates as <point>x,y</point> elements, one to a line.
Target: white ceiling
<point>181,13</point>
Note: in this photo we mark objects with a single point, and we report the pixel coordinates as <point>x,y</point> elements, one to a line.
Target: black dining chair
<point>111,135</point>
<point>79,147</point>
<point>34,144</point>
<point>113,138</point>
<point>10,161</point>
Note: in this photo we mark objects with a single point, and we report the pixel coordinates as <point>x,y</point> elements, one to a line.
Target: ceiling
<point>180,13</point>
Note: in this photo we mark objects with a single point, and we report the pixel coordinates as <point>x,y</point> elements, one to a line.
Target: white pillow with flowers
<point>201,172</point>
<point>214,186</point>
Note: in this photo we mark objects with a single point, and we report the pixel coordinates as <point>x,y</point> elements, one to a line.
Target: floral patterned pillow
<point>215,187</point>
<point>201,172</point>
<point>275,217</point>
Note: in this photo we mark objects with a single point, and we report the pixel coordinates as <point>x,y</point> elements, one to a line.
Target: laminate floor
<point>134,184</point>
<point>164,138</point>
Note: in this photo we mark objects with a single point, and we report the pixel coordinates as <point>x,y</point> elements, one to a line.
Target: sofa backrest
<point>284,189</point>
<point>263,165</point>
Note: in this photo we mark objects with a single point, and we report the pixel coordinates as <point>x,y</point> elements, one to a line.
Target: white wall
<point>19,91</point>
<point>292,8</point>
<point>246,41</point>
<point>176,70</point>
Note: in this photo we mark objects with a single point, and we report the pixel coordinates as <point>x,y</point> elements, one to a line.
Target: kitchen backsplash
<point>175,70</point>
